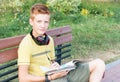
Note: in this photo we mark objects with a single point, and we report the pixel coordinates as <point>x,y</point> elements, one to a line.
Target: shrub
<point>64,6</point>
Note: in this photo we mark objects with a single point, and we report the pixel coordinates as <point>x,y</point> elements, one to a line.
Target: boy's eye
<point>39,21</point>
<point>46,21</point>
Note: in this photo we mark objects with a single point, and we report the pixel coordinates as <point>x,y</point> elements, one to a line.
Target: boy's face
<point>40,24</point>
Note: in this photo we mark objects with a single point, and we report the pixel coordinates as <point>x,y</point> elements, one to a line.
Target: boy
<point>37,49</point>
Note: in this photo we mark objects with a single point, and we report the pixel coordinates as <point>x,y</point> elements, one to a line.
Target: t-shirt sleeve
<point>24,53</point>
<point>52,55</point>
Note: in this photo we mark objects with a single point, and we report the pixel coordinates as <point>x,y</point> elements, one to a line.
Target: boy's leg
<point>85,72</point>
<point>80,74</point>
<point>97,68</point>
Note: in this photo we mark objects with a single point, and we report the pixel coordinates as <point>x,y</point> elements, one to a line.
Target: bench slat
<point>8,55</point>
<point>10,78</point>
<point>63,46</point>
<point>10,42</point>
<point>59,31</point>
<point>8,72</point>
<point>62,52</point>
<point>62,39</point>
<point>58,59</point>
<point>6,65</point>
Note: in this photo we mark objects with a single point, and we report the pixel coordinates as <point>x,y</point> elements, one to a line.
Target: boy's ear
<point>31,22</point>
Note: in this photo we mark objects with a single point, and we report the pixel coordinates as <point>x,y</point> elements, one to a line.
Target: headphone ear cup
<point>47,39</point>
<point>41,40</point>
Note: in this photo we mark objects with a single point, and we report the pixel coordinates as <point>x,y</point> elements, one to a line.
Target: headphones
<point>41,40</point>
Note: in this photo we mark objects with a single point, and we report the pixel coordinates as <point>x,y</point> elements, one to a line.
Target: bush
<point>64,6</point>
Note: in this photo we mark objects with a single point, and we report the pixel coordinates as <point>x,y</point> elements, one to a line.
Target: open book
<point>65,67</point>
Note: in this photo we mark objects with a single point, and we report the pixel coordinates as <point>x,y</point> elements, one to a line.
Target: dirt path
<point>107,56</point>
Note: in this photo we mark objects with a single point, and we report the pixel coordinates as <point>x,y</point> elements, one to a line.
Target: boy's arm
<point>24,76</point>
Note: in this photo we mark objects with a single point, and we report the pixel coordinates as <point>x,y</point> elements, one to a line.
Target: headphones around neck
<point>41,40</point>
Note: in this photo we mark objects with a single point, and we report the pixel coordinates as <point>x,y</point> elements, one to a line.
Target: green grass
<point>90,37</point>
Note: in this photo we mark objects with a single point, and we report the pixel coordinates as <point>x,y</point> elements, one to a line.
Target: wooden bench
<point>8,51</point>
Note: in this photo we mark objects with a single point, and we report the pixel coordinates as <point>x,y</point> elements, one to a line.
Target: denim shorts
<point>80,74</point>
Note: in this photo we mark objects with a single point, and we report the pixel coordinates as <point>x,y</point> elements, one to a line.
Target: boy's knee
<point>97,64</point>
<point>100,63</point>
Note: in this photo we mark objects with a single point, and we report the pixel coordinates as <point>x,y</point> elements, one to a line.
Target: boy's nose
<point>43,24</point>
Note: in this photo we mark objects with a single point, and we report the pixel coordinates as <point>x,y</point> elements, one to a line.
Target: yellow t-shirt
<point>29,53</point>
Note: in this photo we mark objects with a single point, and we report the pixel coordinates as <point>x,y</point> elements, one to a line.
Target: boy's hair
<point>38,9</point>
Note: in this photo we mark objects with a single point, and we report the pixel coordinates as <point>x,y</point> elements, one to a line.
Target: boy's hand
<point>54,65</point>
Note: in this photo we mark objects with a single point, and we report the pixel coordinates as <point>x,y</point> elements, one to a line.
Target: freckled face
<point>40,24</point>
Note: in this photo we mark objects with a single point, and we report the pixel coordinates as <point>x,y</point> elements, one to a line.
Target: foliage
<point>64,6</point>
<point>97,8</point>
<point>15,16</point>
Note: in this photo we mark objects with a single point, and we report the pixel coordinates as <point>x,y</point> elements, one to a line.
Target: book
<point>64,67</point>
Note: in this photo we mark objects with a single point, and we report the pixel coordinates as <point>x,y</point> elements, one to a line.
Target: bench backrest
<point>8,51</point>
